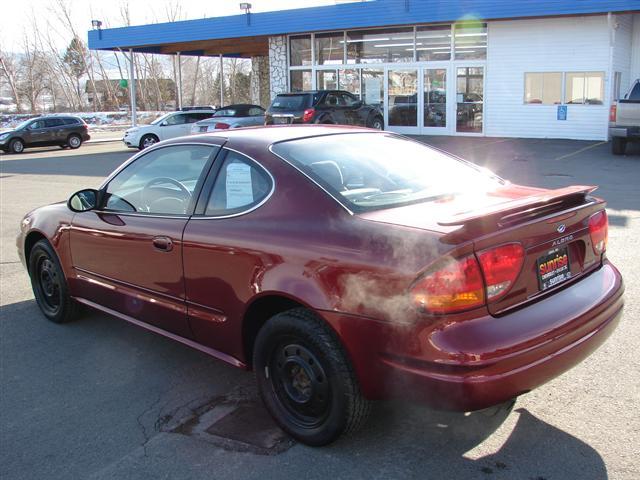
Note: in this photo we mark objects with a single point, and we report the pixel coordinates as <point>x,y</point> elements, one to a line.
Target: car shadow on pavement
<point>83,164</point>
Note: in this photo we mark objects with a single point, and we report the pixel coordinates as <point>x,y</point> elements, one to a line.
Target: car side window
<point>240,185</point>
<point>36,125</point>
<point>333,100</point>
<point>53,122</point>
<point>178,119</point>
<point>162,181</point>
<point>635,93</point>
<point>255,111</point>
<point>348,100</point>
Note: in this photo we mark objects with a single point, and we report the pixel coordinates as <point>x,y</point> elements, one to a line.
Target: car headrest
<point>330,172</point>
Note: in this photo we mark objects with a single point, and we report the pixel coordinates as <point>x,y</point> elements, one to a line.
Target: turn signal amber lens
<point>455,287</point>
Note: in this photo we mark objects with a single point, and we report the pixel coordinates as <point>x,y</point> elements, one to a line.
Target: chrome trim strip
<point>255,207</point>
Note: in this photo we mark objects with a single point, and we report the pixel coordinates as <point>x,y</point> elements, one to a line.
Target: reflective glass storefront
<point>425,79</point>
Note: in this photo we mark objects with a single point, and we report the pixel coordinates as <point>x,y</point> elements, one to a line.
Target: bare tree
<point>8,63</point>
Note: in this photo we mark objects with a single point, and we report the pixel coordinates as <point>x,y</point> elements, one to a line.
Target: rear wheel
<point>306,379</point>
<point>74,141</point>
<point>618,145</point>
<point>49,284</point>
<point>16,146</point>
<point>147,141</point>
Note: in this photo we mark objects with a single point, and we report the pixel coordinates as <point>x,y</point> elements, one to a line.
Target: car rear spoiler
<point>529,203</point>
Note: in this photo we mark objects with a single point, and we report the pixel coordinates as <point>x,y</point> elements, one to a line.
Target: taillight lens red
<point>221,126</point>
<point>454,287</point>
<point>613,112</point>
<point>599,231</point>
<point>308,115</point>
<point>501,266</point>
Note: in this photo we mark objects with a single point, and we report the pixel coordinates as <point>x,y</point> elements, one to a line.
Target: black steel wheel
<point>306,379</point>
<point>618,145</point>
<point>49,284</point>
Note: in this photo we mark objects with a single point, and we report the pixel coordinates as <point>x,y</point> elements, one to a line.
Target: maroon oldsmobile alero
<point>341,264</point>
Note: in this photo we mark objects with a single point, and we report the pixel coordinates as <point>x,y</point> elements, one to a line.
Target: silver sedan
<point>231,116</point>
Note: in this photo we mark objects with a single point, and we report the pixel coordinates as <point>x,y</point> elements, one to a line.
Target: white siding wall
<point>621,58</point>
<point>635,48</point>
<point>544,45</point>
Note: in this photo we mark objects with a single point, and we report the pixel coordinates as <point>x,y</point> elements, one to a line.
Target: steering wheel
<point>158,181</point>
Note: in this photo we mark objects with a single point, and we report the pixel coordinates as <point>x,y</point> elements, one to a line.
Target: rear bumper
<point>486,360</point>
<point>632,133</point>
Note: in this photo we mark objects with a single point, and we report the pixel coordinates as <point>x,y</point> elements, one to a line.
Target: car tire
<point>306,380</point>
<point>16,146</point>
<point>74,141</point>
<point>50,285</point>
<point>377,123</point>
<point>148,140</point>
<point>618,145</point>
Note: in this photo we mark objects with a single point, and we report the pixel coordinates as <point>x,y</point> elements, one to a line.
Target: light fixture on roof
<point>246,7</point>
<point>96,24</point>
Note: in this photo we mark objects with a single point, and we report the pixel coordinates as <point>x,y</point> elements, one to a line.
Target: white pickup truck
<point>624,120</point>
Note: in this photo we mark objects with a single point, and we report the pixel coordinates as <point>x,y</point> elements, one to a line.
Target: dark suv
<point>65,131</point>
<point>323,106</point>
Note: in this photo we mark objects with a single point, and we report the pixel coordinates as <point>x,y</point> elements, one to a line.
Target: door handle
<point>163,244</point>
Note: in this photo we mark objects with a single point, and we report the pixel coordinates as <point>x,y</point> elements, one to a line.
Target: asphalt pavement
<point>102,399</point>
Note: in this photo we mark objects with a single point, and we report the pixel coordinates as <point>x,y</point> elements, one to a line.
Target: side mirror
<point>164,124</point>
<point>83,201</point>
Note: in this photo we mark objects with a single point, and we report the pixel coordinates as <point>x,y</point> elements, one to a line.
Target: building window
<point>300,50</point>
<point>469,99</point>
<point>380,46</point>
<point>470,41</point>
<point>326,80</point>
<point>349,80</point>
<point>329,48</point>
<point>584,88</point>
<point>433,43</point>
<point>300,80</point>
<point>543,88</point>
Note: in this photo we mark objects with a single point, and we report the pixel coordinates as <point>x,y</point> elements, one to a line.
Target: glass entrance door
<point>402,100</point>
<point>469,99</point>
<point>434,100</point>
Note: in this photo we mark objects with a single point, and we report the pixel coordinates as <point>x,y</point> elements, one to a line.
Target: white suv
<point>170,125</point>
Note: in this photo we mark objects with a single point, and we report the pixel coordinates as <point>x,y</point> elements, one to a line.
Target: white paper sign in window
<point>239,186</point>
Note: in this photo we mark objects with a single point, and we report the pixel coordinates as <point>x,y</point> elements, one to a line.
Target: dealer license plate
<point>553,268</point>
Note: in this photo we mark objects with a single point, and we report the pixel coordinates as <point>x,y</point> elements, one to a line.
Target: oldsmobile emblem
<point>561,228</point>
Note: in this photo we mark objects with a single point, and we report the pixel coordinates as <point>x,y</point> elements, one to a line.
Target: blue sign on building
<point>562,112</point>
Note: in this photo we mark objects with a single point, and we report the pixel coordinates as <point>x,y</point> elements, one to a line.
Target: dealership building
<point>542,69</point>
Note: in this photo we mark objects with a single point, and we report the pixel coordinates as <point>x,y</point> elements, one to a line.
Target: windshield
<point>225,112</point>
<point>161,118</point>
<point>24,124</point>
<point>368,171</point>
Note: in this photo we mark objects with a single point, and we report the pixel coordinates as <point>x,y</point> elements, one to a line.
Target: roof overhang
<point>247,35</point>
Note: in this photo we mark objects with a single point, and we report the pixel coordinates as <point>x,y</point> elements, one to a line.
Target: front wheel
<point>16,146</point>
<point>147,141</point>
<point>377,123</point>
<point>306,379</point>
<point>49,284</point>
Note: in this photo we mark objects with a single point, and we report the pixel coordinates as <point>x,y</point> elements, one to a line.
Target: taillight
<point>613,111</point>
<point>599,231</point>
<point>222,126</point>
<point>308,115</point>
<point>500,267</point>
<point>454,287</point>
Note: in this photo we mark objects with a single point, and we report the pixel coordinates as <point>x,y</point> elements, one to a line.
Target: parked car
<point>334,107</point>
<point>624,120</point>
<point>62,130</point>
<point>231,116</point>
<point>341,264</point>
<point>169,125</point>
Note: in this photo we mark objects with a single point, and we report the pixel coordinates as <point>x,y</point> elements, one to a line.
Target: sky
<point>17,15</point>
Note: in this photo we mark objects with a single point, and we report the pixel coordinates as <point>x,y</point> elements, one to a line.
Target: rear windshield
<point>291,102</point>
<point>370,171</point>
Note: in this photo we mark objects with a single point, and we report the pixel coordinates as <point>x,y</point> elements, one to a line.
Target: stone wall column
<point>260,81</point>
<point>278,70</point>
